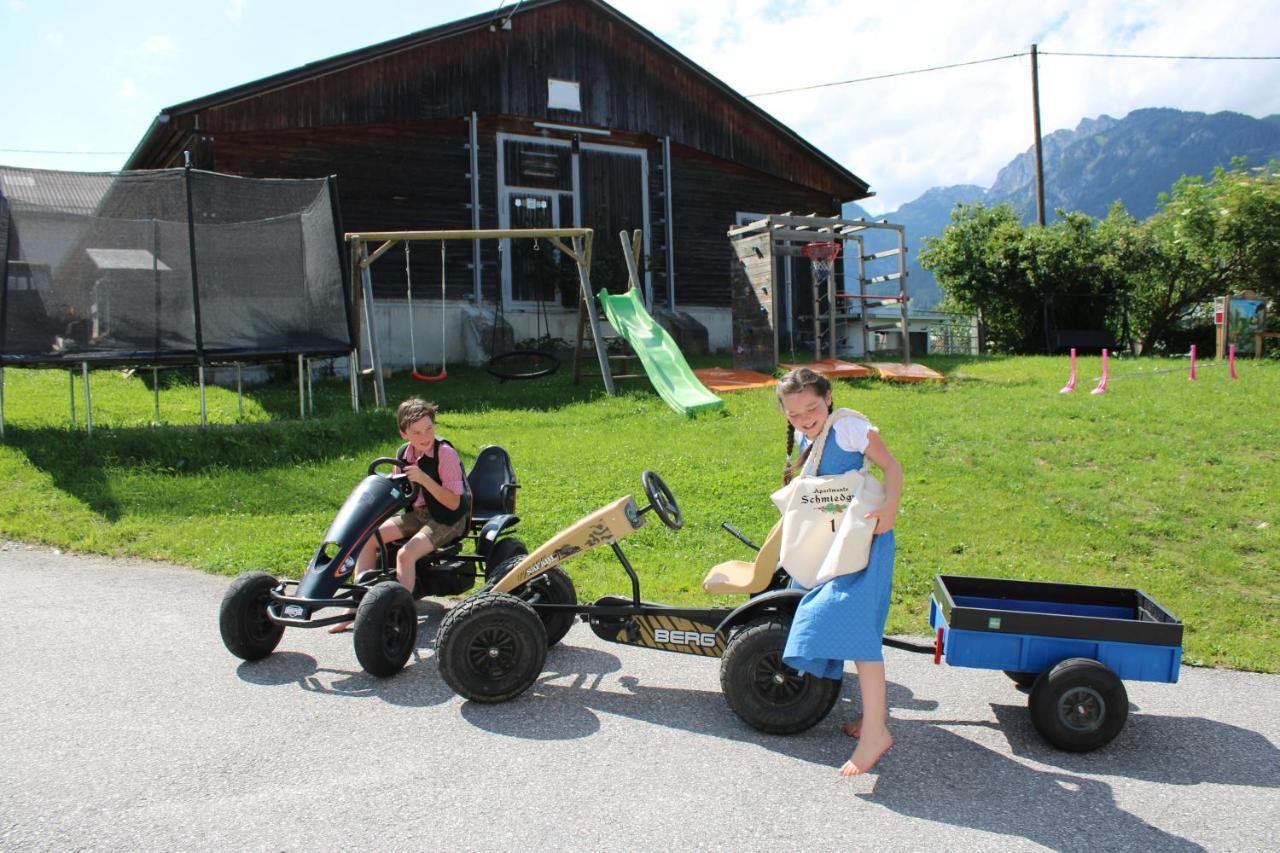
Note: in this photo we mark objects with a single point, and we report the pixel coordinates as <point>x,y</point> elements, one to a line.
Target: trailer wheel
<point>247,630</point>
<point>1078,705</point>
<point>766,693</point>
<point>1022,679</point>
<point>491,647</point>
<point>386,629</point>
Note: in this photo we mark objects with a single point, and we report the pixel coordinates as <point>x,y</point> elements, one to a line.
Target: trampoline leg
<point>71,385</point>
<point>311,392</point>
<point>204,414</point>
<point>302,397</point>
<point>239,391</point>
<point>88,405</point>
<point>155,389</point>
<point>353,373</point>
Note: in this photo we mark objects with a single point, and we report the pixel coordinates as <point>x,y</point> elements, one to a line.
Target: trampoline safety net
<point>167,265</point>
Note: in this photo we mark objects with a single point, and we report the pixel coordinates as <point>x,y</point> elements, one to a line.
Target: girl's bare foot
<point>871,746</point>
<point>853,729</point>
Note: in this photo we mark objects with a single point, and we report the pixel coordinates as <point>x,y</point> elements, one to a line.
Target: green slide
<point>662,359</point>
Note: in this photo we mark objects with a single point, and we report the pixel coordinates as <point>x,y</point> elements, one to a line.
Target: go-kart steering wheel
<point>661,500</point>
<point>414,488</point>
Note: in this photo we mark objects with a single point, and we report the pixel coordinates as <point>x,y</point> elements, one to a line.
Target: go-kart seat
<point>493,485</point>
<point>740,577</point>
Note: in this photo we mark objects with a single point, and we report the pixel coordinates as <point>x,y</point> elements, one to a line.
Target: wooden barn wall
<point>627,84</point>
<point>707,193</point>
<point>410,176</point>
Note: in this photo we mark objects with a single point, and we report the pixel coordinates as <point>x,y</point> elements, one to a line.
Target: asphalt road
<point>124,724</point>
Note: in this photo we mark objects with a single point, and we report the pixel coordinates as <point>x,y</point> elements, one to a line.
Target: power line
<point>886,76</point>
<point>1149,56</point>
<point>1008,56</point>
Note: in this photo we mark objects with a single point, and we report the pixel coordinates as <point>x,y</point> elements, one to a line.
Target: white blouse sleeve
<point>852,434</point>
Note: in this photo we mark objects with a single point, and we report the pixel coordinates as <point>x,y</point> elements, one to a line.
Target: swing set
<point>516,364</point>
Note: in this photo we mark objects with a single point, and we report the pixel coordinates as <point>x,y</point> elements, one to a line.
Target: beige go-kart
<point>491,647</point>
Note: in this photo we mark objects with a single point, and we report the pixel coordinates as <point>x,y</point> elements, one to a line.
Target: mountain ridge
<point>1087,168</point>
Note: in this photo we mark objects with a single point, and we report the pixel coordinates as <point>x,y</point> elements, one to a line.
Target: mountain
<point>1132,159</point>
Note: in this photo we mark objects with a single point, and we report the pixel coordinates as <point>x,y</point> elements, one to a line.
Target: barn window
<point>528,164</point>
<point>563,95</point>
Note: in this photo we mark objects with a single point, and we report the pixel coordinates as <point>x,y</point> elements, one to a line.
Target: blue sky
<point>90,77</point>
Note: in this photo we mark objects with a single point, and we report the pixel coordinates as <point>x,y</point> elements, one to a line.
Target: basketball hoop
<point>821,257</point>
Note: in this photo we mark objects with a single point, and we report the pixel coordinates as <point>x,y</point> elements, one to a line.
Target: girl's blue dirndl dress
<point>844,618</point>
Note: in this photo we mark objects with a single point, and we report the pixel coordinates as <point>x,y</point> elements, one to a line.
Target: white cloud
<point>235,11</point>
<point>17,5</point>
<point>57,41</point>
<point>961,125</point>
<point>128,89</point>
<point>160,44</point>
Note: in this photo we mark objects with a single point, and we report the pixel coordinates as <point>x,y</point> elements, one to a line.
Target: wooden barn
<point>561,113</point>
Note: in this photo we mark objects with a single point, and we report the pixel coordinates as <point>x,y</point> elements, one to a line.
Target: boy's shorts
<point>415,519</point>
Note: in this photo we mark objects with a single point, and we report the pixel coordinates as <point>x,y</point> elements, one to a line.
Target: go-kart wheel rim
<point>1082,709</point>
<point>258,624</point>
<point>396,631</point>
<point>493,652</point>
<point>776,682</point>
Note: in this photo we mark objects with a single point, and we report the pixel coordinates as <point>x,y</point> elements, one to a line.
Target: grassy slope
<point>1163,484</point>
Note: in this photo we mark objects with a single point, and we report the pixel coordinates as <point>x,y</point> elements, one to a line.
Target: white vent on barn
<point>563,95</point>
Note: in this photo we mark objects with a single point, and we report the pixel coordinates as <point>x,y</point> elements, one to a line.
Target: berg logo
<point>684,638</point>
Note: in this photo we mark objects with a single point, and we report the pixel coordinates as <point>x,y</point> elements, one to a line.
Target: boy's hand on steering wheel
<point>418,477</point>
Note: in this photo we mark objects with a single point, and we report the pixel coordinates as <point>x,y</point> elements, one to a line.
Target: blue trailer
<point>1072,644</point>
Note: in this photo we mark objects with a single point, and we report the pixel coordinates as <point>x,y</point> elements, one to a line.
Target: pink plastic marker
<point>1102,381</point>
<point>1192,375</point>
<point>1231,361</point>
<point>1071,383</point>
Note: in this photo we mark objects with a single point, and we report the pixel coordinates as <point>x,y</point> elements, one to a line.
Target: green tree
<point>1019,279</point>
<point>977,261</point>
<point>1209,238</point>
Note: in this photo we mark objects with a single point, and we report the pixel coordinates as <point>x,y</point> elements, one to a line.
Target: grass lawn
<point>1165,484</point>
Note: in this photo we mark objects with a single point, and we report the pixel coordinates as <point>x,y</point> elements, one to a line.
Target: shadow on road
<point>418,685</point>
<point>1154,748</point>
<point>934,774</point>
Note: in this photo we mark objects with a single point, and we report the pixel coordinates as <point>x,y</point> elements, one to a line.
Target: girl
<point>844,618</point>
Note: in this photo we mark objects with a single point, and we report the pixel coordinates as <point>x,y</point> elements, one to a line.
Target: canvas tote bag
<point>824,534</point>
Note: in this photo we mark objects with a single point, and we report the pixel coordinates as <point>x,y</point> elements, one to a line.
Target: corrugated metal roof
<point>42,189</point>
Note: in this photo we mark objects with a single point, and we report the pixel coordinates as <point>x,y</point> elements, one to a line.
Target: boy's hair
<point>413,410</point>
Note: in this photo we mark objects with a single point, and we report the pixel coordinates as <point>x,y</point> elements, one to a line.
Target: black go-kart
<point>258,606</point>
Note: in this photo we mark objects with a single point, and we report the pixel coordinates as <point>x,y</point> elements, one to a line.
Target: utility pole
<point>1035,117</point>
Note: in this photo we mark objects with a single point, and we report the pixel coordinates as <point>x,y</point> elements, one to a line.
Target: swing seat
<point>738,577</point>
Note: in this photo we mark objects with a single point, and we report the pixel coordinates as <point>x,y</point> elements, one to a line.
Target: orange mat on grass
<point>722,379</point>
<point>833,368</point>
<point>898,372</point>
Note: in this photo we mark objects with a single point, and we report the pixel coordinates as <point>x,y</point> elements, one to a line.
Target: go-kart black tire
<point>1022,679</point>
<point>247,630</point>
<point>556,587</point>
<point>502,551</point>
<point>386,629</point>
<point>766,693</point>
<point>491,647</point>
<point>1078,705</point>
